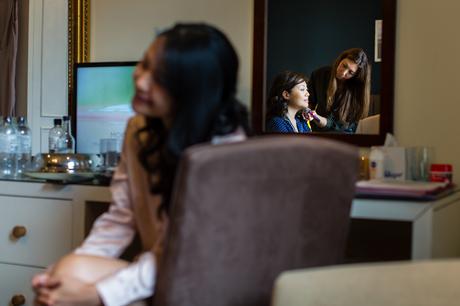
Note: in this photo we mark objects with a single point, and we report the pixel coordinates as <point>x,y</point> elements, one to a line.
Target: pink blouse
<point>133,208</point>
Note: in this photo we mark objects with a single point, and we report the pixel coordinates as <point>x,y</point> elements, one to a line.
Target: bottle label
<point>11,143</point>
<point>24,144</point>
<point>3,144</point>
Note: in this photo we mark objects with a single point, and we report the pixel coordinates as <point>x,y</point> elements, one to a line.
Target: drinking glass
<point>109,152</point>
<point>419,160</point>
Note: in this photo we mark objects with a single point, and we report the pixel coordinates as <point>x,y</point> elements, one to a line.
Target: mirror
<point>303,36</point>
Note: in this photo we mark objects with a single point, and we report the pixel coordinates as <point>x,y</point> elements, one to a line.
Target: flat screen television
<point>102,103</point>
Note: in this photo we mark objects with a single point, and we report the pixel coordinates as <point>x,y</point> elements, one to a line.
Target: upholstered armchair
<point>408,283</point>
<point>244,212</point>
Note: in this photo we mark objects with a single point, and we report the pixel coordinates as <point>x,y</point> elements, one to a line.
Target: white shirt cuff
<point>130,284</point>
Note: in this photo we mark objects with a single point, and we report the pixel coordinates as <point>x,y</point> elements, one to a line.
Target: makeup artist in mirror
<point>341,94</point>
<point>287,104</point>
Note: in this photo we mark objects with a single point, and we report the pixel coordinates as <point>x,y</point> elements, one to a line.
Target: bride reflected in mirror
<point>287,104</point>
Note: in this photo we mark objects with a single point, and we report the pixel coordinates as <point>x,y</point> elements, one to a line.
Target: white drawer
<point>16,280</point>
<point>49,230</point>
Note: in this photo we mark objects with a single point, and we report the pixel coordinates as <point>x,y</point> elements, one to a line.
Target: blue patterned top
<point>283,125</point>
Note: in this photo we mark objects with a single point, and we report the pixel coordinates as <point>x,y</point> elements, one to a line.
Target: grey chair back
<point>244,212</point>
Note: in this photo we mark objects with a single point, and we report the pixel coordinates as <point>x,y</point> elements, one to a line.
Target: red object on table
<point>441,173</point>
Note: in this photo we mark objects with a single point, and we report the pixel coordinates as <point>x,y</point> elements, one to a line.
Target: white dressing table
<point>56,217</point>
<point>39,223</point>
<point>435,224</point>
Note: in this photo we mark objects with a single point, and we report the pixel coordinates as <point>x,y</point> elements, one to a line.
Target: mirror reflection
<point>323,66</point>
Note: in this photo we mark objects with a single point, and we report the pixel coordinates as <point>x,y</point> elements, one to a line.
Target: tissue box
<point>394,162</point>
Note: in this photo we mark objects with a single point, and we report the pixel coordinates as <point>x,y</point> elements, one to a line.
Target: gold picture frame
<point>78,38</point>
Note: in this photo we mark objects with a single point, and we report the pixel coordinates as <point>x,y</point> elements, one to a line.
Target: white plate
<point>60,176</point>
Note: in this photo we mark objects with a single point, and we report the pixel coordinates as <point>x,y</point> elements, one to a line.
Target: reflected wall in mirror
<point>303,36</point>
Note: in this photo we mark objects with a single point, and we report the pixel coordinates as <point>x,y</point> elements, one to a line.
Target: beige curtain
<point>8,53</point>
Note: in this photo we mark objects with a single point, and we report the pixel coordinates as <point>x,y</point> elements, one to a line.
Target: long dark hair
<point>284,81</point>
<point>198,68</point>
<point>355,94</point>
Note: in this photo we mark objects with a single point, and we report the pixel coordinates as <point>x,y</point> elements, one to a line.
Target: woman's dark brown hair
<point>198,67</point>
<point>354,94</point>
<point>284,81</point>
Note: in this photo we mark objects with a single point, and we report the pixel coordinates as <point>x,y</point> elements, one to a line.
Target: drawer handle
<point>18,300</point>
<point>19,231</point>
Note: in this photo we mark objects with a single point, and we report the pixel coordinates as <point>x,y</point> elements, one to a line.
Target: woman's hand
<point>39,280</point>
<point>307,115</point>
<point>51,291</point>
<point>319,120</point>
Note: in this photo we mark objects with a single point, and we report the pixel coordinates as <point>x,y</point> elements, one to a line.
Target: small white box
<point>394,162</point>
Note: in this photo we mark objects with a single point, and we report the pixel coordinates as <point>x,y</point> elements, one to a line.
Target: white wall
<point>122,30</point>
<point>427,99</point>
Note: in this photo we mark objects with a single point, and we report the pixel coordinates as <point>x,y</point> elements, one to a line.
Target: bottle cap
<point>441,167</point>
<point>57,121</point>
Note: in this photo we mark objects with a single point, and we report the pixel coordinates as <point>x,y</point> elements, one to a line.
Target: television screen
<point>102,100</point>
